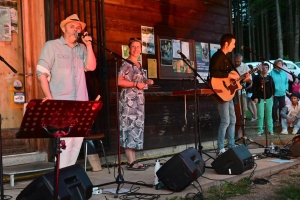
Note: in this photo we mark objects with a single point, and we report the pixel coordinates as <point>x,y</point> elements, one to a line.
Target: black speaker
<point>182,169</point>
<point>234,161</point>
<point>295,148</point>
<point>73,184</point>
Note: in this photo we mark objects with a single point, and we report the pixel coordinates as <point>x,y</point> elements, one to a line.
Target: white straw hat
<point>72,18</point>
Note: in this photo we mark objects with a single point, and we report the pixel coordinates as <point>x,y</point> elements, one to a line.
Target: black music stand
<point>57,119</point>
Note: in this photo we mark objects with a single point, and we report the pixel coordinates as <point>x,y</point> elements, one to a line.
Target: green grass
<point>223,191</point>
<point>183,198</point>
<point>230,189</point>
<point>289,188</point>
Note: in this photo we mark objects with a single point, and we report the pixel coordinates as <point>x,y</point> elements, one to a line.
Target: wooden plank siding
<point>202,21</point>
<point>199,20</point>
<point>11,51</point>
<point>20,53</point>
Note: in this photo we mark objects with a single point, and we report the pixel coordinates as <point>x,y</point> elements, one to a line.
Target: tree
<point>269,27</point>
<point>291,30</point>
<point>296,51</point>
<point>279,31</point>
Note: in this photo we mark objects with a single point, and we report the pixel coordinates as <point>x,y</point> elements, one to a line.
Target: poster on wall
<point>152,68</point>
<point>185,49</point>
<point>180,66</point>
<point>170,63</point>
<point>202,59</point>
<point>148,46</point>
<point>213,49</point>
<point>13,6</point>
<point>5,24</point>
<point>176,47</point>
<point>166,52</point>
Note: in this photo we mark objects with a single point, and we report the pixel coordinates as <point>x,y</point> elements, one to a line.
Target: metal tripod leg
<point>246,140</point>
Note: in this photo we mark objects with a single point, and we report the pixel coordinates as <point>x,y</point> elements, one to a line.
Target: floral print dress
<point>131,108</point>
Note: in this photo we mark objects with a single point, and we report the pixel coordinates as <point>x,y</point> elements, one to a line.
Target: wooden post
<point>34,37</point>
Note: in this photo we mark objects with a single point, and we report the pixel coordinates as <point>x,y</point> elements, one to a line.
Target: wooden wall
<point>199,20</point>
<point>21,53</point>
<point>12,113</point>
<point>12,52</point>
<point>202,21</point>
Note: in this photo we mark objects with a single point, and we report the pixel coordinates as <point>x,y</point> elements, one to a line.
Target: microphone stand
<point>267,150</point>
<point>119,179</point>
<point>196,110</point>
<point>8,65</point>
<point>1,163</point>
<point>243,122</point>
<point>264,90</point>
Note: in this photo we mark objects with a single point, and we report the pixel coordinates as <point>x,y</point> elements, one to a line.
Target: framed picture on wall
<point>171,65</point>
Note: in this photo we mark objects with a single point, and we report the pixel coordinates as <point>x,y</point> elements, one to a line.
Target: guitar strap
<point>232,65</point>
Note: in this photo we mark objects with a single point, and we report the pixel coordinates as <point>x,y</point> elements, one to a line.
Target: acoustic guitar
<point>228,85</point>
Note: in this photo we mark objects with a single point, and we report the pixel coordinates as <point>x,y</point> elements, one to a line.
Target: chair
<point>98,136</point>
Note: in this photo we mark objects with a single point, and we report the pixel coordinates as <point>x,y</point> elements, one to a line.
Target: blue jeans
<point>279,102</point>
<point>227,123</point>
<point>285,125</point>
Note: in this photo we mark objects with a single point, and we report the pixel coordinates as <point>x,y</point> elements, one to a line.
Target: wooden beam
<point>33,17</point>
<point>34,37</point>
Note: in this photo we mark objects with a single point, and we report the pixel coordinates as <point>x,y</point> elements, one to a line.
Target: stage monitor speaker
<point>182,169</point>
<point>73,184</point>
<point>295,148</point>
<point>234,161</point>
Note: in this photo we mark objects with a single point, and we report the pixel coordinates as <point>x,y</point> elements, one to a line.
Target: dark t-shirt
<point>220,65</point>
<point>257,87</point>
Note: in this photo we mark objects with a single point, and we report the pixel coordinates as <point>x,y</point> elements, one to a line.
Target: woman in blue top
<point>280,79</point>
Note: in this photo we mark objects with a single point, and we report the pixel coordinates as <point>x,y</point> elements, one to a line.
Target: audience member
<point>259,95</point>
<point>281,87</point>
<point>242,69</point>
<point>295,87</point>
<point>290,115</point>
<point>251,104</point>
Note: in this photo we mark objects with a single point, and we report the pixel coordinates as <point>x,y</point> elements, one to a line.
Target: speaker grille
<point>295,148</point>
<point>73,184</point>
<point>234,161</point>
<point>182,169</point>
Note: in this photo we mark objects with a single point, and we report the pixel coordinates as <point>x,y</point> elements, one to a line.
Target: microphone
<point>80,34</point>
<point>182,55</point>
<point>244,47</point>
<point>8,65</point>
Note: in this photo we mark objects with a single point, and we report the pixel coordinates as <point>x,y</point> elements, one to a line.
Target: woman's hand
<point>149,81</point>
<point>140,85</point>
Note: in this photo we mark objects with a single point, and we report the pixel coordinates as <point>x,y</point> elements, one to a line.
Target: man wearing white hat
<point>61,73</point>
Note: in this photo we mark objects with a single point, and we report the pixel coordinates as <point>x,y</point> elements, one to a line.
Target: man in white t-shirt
<point>242,68</point>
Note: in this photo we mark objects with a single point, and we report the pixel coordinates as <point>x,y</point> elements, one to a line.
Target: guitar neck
<point>250,72</point>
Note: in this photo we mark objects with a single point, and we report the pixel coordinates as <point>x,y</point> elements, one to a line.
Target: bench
<point>25,163</point>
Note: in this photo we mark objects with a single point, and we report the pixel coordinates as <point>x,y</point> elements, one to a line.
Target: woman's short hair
<point>131,40</point>
<point>278,61</point>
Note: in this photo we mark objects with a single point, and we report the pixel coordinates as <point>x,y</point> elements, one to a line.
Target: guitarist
<point>221,67</point>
